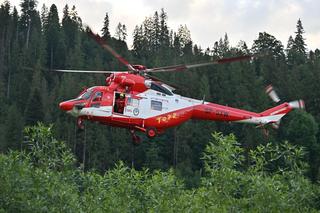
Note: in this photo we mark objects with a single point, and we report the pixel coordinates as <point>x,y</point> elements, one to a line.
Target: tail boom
<point>274,115</point>
<point>210,111</point>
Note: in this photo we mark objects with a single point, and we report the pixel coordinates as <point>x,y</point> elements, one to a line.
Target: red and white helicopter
<point>140,102</point>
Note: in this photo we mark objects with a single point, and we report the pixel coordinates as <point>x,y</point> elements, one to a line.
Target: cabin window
<point>133,102</point>
<point>86,95</point>
<point>156,105</point>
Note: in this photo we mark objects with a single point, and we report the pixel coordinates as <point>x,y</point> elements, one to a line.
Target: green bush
<point>45,179</point>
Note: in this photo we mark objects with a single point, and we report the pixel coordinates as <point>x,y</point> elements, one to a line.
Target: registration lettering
<point>165,119</point>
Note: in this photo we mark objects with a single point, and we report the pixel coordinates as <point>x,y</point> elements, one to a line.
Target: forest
<point>199,166</point>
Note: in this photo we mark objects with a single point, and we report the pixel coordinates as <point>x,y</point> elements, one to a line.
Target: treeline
<point>33,42</point>
<point>44,178</point>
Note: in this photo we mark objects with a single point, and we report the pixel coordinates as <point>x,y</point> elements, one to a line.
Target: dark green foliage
<point>273,176</point>
<point>43,178</point>
<point>302,130</point>
<point>13,125</point>
<point>34,110</point>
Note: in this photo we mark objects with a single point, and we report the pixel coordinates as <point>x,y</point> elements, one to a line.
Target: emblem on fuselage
<point>136,111</point>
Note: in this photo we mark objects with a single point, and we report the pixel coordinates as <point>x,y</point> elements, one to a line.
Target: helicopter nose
<point>66,105</point>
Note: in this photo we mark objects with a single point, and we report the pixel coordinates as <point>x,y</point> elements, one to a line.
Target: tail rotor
<point>272,94</point>
<point>297,104</point>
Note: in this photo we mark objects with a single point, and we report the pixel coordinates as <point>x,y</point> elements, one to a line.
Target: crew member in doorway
<point>120,102</point>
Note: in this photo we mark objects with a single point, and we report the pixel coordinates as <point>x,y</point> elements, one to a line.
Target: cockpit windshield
<point>86,95</point>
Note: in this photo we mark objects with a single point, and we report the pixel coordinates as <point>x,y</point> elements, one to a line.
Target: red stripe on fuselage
<point>208,111</point>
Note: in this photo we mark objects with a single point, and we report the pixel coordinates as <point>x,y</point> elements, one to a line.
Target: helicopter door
<point>96,100</point>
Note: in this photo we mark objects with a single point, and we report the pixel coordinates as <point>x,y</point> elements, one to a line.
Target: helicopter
<point>140,102</point>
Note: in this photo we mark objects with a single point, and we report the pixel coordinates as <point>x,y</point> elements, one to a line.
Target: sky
<point>208,20</point>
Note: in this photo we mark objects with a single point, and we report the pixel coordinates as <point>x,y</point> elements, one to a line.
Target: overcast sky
<point>208,20</point>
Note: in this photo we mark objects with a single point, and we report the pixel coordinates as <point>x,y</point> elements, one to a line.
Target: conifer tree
<point>44,15</point>
<point>121,32</point>
<point>268,44</point>
<point>290,50</point>
<point>28,9</point>
<point>164,30</point>
<point>105,28</point>
<point>299,45</point>
<point>52,32</point>
<point>138,41</point>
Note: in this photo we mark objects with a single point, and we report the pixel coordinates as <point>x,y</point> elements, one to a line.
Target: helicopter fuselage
<point>134,102</point>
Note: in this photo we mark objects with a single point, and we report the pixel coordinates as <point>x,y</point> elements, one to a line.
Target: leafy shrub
<point>45,179</point>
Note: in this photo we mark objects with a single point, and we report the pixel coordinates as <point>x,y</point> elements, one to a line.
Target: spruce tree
<point>138,41</point>
<point>28,9</point>
<point>290,50</point>
<point>52,32</point>
<point>44,15</point>
<point>268,44</point>
<point>117,34</point>
<point>164,30</point>
<point>299,45</point>
<point>105,28</point>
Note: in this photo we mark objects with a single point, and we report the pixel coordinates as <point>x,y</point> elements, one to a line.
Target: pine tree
<point>105,28</point>
<point>290,50</point>
<point>5,42</point>
<point>121,32</point>
<point>164,30</point>
<point>75,17</point>
<point>269,45</point>
<point>138,41</point>
<point>70,26</point>
<point>28,9</point>
<point>155,33</point>
<point>44,15</point>
<point>124,32</point>
<point>52,32</point>
<point>184,35</point>
<point>299,45</point>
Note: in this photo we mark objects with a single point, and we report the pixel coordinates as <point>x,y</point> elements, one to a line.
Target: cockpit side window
<point>97,96</point>
<point>159,88</point>
<point>86,95</point>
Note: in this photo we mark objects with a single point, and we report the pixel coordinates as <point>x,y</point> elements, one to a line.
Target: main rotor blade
<point>104,44</point>
<point>184,67</point>
<point>88,71</point>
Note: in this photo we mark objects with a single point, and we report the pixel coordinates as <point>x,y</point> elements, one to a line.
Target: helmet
<point>122,95</point>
